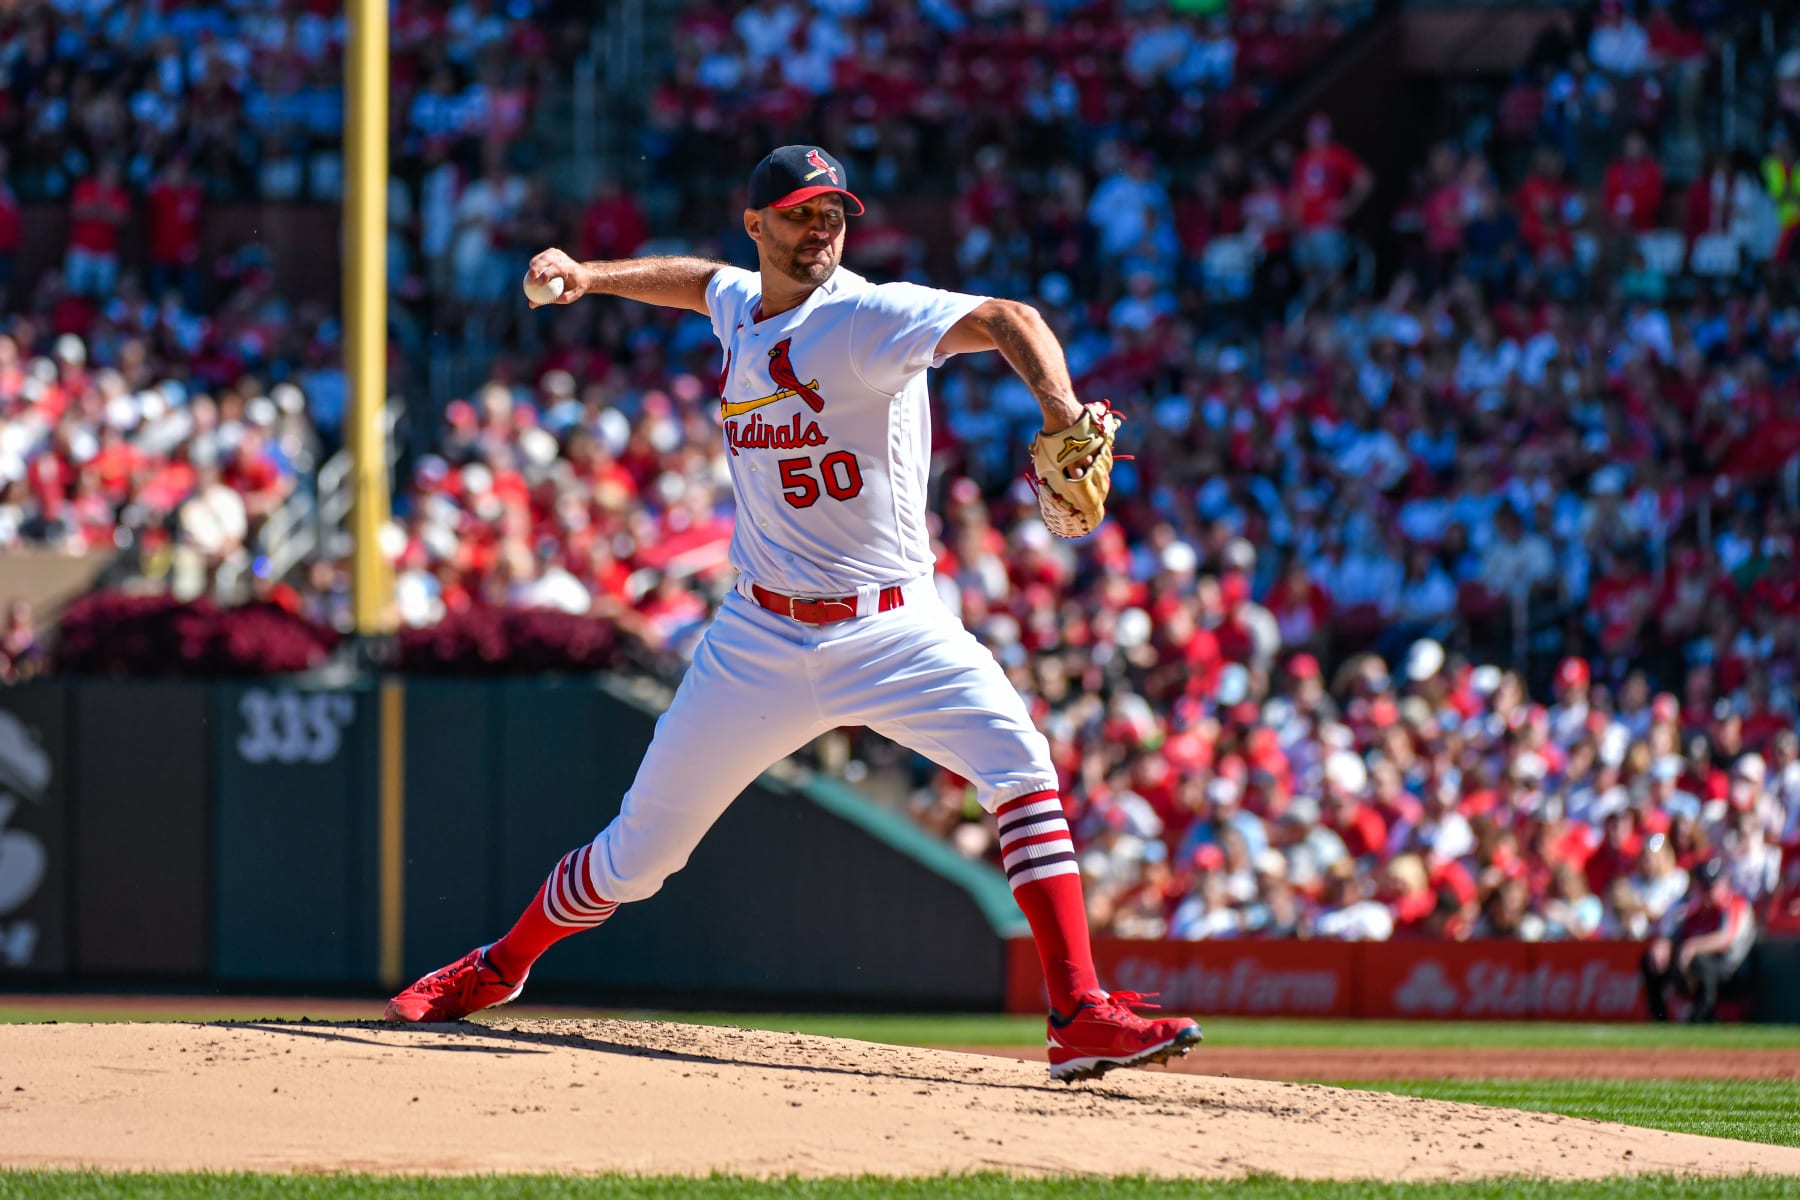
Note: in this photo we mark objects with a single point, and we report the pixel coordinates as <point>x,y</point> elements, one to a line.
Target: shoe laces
<point>1115,1006</point>
<point>461,984</point>
<point>1119,1005</point>
<point>1134,999</point>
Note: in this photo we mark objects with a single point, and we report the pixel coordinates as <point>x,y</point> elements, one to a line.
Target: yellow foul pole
<point>365,307</point>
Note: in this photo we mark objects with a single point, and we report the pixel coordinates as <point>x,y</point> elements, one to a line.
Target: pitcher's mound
<point>646,1097</point>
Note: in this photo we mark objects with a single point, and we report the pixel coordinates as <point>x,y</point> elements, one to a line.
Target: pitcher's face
<point>804,241</point>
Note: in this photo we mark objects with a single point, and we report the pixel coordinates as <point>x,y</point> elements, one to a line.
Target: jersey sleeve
<point>896,328</point>
<point>728,294</point>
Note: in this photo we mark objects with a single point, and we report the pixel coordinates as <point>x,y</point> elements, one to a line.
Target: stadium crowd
<point>937,82</point>
<point>1557,434</point>
<point>157,432</point>
<point>249,93</point>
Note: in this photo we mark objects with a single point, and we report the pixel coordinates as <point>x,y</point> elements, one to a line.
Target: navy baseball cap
<point>795,174</point>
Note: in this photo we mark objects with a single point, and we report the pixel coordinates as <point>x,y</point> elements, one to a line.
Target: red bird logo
<point>781,370</point>
<point>818,161</point>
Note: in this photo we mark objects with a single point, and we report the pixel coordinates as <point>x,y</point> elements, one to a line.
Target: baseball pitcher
<point>834,619</point>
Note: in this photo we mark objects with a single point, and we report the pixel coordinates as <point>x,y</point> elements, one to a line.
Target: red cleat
<point>1104,1033</point>
<point>467,985</point>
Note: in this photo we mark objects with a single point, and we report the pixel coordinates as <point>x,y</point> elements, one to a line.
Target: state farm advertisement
<point>1564,981</point>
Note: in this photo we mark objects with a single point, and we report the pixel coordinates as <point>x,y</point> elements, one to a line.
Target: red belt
<point>815,610</point>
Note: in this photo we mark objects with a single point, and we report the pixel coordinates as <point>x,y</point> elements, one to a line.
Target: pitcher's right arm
<point>673,281</point>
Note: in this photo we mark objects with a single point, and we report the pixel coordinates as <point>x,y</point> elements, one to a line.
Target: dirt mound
<point>667,1098</point>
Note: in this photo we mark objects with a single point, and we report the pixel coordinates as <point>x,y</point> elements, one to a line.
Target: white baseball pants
<point>763,685</point>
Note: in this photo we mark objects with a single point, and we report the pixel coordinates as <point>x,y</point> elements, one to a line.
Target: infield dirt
<point>657,1097</point>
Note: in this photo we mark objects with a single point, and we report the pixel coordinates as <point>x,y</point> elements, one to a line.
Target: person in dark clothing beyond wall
<point>1704,943</point>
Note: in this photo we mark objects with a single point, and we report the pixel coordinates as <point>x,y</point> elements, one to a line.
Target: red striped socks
<point>566,903</point>
<point>1035,848</point>
<point>1039,857</point>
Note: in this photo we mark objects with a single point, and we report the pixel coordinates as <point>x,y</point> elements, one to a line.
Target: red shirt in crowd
<point>97,231</point>
<point>1780,590</point>
<point>1621,605</point>
<point>114,466</point>
<point>1634,191</point>
<point>1540,201</point>
<point>1763,724</point>
<point>252,475</point>
<point>1301,611</point>
<point>1452,875</point>
<point>1444,213</point>
<point>1701,916</point>
<point>613,227</point>
<point>50,478</point>
<point>1362,829</point>
<point>1323,177</point>
<point>175,223</point>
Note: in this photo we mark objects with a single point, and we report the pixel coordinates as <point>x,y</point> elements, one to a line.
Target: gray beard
<point>813,273</point>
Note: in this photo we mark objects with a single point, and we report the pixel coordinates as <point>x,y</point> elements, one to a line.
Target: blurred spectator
<point>214,524</point>
<point>1633,190</point>
<point>174,227</point>
<point>1781,176</point>
<point>1130,211</point>
<point>1703,944</point>
<point>1330,184</point>
<point>1658,884</point>
<point>612,226</point>
<point>482,263</point>
<point>98,211</point>
<point>1619,45</point>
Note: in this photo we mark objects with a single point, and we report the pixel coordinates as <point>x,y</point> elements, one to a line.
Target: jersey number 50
<point>843,478</point>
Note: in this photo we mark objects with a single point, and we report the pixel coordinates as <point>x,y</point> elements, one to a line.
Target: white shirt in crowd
<point>1620,49</point>
<point>1661,894</point>
<point>1195,922</point>
<point>1517,566</point>
<point>1364,921</point>
<point>766,29</point>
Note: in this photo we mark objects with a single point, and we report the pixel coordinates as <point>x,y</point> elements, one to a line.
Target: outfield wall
<point>1401,980</point>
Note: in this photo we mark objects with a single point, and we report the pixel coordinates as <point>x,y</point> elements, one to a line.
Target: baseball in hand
<point>543,293</point>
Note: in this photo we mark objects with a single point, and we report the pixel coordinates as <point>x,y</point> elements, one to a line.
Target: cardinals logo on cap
<point>820,166</point>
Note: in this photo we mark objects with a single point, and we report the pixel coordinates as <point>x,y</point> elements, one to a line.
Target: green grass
<point>37,1185</point>
<point>1753,1110</point>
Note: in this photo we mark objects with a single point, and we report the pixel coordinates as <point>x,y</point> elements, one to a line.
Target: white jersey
<point>828,428</point>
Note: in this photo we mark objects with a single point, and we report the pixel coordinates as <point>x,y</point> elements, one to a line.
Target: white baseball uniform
<point>827,429</point>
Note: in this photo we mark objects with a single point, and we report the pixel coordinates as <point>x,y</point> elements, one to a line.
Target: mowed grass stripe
<point>88,1186</point>
<point>1752,1110</point>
